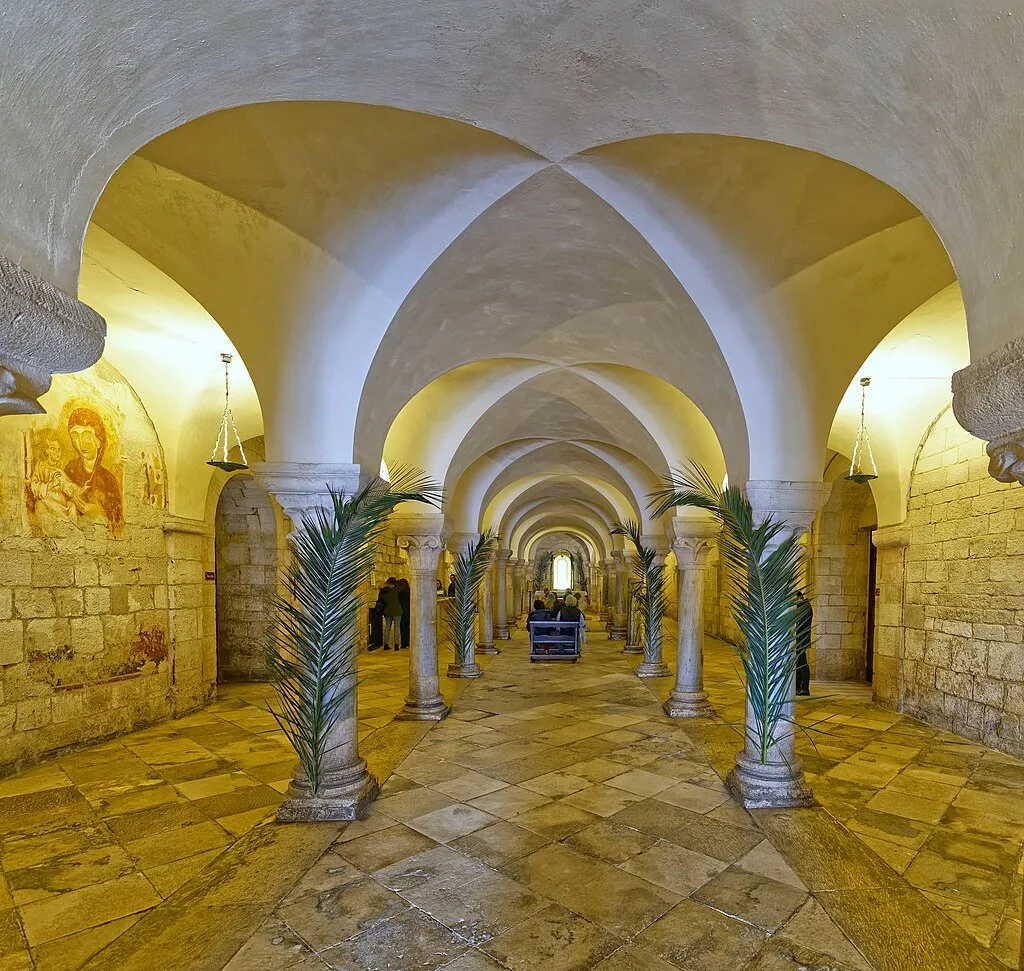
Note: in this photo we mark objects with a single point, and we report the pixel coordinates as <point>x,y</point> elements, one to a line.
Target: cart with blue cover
<point>554,640</point>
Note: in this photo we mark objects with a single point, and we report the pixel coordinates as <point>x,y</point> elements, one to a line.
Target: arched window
<point>562,567</point>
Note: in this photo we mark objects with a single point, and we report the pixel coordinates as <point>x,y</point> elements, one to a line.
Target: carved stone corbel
<point>43,331</point>
<point>988,401</point>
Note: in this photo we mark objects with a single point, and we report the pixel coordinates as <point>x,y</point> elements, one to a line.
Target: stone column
<point>693,542</point>
<point>501,594</point>
<point>626,584</point>
<point>420,537</point>
<point>511,588</point>
<point>346,788</point>
<point>889,682</point>
<point>456,544</point>
<point>485,638</point>
<point>653,664</point>
<point>777,783</point>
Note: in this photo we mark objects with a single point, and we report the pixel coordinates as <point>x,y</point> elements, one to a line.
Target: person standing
<point>392,610</point>
<point>404,600</point>
<point>451,585</point>
<point>802,636</point>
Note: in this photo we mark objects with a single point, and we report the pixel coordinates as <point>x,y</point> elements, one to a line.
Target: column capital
<point>657,542</point>
<point>456,543</point>
<point>300,487</point>
<point>502,555</point>
<point>797,503</point>
<point>693,541</point>
<point>43,331</point>
<point>988,401</point>
<point>420,536</point>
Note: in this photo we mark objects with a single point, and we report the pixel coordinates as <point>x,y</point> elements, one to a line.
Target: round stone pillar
<point>501,594</point>
<point>420,537</point>
<point>346,787</point>
<point>511,590</point>
<point>617,610</point>
<point>485,632</point>
<point>623,591</point>
<point>694,540</point>
<point>778,782</point>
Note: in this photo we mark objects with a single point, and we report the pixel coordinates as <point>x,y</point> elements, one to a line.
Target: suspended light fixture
<point>862,465</point>
<point>219,459</point>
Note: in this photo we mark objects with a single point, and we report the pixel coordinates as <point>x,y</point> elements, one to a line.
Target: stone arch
<point>245,543</point>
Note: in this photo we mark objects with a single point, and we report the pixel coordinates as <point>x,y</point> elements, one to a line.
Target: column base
<point>632,649</point>
<point>775,785</point>
<point>616,633</point>
<point>502,634</point>
<point>432,710</point>
<point>346,800</point>
<point>465,671</point>
<point>688,704</point>
<point>653,669</point>
<point>488,649</point>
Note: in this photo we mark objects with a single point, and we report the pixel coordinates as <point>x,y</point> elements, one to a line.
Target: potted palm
<point>312,654</point>
<point>764,561</point>
<point>470,569</point>
<point>648,600</point>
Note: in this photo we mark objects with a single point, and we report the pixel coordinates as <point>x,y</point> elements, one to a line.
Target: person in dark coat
<point>802,636</point>
<point>404,598</point>
<point>451,585</point>
<point>391,608</point>
<point>377,622</point>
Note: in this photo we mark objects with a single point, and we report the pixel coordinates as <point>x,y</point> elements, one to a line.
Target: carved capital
<point>796,503</point>
<point>43,331</point>
<point>694,540</point>
<point>456,543</point>
<point>300,487</point>
<point>988,401</point>
<point>420,537</point>
<point>891,537</point>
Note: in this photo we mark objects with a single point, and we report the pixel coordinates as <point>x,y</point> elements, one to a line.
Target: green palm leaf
<point>470,571</point>
<point>312,654</point>
<point>542,570</point>
<point>765,574</point>
<point>582,583</point>
<point>649,592</point>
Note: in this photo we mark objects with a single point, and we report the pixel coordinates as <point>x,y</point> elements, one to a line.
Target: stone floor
<point>91,840</point>
<point>556,821</point>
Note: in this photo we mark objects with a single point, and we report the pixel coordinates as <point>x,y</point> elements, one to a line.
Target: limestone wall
<point>102,613</point>
<point>949,645</point>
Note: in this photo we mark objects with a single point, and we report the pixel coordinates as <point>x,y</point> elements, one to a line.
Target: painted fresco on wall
<point>73,470</point>
<point>153,480</point>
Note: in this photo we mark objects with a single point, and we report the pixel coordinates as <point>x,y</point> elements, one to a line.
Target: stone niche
<point>85,638</point>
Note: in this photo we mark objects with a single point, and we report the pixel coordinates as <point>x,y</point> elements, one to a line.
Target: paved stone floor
<point>556,821</point>
<point>91,840</point>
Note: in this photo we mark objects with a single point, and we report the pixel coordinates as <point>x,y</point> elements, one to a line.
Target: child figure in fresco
<point>47,484</point>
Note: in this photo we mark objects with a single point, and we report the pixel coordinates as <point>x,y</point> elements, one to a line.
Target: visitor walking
<point>391,609</point>
<point>404,599</point>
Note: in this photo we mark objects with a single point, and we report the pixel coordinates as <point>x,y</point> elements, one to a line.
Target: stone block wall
<point>951,612</point>
<point>100,609</point>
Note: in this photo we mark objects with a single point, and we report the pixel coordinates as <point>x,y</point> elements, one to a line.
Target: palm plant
<point>312,654</point>
<point>470,569</point>
<point>649,590</point>
<point>542,570</point>
<point>765,568</point>
<point>582,583</point>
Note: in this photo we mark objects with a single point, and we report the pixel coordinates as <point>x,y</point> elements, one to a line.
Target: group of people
<point>549,606</point>
<point>389,616</point>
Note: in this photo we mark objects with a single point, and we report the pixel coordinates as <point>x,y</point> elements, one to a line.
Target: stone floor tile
<point>555,820</point>
<point>423,943</point>
<point>73,951</point>
<point>698,799</point>
<point>618,901</point>
<point>333,916</point>
<point>555,784</point>
<point>441,866</point>
<point>596,769</point>
<point>385,847</point>
<point>509,802</point>
<point>374,823</point>
<point>274,947</point>
<point>241,823</point>
<point>178,843</point>
<point>767,861</point>
<point>697,938</point>
<point>468,785</point>
<point>609,841</point>
<point>908,833</point>
<point>602,800</point>
<point>474,960</point>
<point>640,783</point>
<point>673,868</point>
<point>811,927</point>
<point>554,939</point>
<point>500,843</point>
<point>445,825</point>
<point>68,913</point>
<point>629,957</point>
<point>168,877</point>
<point>751,897</point>
<point>71,872</point>
<point>407,805</point>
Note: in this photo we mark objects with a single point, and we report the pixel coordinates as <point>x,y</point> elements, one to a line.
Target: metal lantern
<point>862,465</point>
<point>219,459</point>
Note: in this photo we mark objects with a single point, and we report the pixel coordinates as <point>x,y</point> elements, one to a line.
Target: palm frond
<point>542,570</point>
<point>650,589</point>
<point>312,654</point>
<point>580,572</point>
<point>470,569</point>
<point>765,577</point>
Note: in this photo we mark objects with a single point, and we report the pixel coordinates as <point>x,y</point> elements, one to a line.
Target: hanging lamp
<point>219,459</point>
<point>862,465</point>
